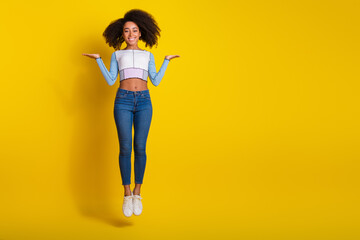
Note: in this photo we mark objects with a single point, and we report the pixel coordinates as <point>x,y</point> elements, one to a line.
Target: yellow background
<point>255,130</point>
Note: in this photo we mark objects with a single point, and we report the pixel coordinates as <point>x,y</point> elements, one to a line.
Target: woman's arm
<point>156,77</point>
<point>110,76</point>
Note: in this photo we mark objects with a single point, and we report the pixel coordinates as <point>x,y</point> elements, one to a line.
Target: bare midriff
<point>133,84</point>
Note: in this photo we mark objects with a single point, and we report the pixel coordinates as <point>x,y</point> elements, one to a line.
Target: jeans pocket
<point>146,96</point>
<point>121,95</point>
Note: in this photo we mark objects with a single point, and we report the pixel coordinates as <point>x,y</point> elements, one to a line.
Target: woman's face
<point>131,33</point>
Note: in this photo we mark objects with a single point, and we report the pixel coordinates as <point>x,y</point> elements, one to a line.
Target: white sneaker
<point>137,204</point>
<point>128,205</point>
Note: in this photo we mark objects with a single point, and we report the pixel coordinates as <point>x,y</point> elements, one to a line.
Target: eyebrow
<point>128,28</point>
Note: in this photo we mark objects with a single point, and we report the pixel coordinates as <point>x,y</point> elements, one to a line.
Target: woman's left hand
<point>168,57</point>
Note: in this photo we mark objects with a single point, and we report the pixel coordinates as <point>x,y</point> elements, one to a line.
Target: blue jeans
<point>132,107</point>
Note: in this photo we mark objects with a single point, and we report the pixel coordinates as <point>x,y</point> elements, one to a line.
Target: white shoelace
<point>137,196</point>
<point>127,201</point>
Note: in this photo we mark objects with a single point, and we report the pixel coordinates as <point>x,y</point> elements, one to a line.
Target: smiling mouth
<point>131,39</point>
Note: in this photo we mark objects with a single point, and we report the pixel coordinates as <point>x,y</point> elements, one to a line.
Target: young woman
<point>132,106</point>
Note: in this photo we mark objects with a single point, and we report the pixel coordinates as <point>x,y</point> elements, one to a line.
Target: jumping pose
<point>132,104</point>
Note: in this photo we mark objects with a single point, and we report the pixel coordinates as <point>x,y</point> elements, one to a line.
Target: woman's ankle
<point>136,191</point>
<point>127,190</point>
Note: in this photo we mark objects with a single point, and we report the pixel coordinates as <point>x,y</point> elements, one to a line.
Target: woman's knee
<point>140,148</point>
<point>125,147</point>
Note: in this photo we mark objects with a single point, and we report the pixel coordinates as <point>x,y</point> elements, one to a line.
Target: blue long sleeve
<point>156,77</point>
<point>110,76</point>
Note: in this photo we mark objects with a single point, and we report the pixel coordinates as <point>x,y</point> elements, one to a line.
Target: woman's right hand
<point>92,55</point>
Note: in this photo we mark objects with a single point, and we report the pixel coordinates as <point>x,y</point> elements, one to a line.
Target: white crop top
<point>132,63</point>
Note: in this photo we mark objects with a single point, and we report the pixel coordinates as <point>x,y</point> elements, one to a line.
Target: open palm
<point>92,55</point>
<point>171,56</point>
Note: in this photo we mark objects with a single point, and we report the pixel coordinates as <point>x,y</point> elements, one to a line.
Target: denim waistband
<point>136,92</point>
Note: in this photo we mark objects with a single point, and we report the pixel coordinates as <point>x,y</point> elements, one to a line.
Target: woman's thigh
<point>124,121</point>
<point>124,116</point>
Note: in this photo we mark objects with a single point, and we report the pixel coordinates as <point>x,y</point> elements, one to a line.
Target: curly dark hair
<point>148,27</point>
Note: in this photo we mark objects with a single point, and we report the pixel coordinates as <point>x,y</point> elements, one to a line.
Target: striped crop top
<point>132,63</point>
